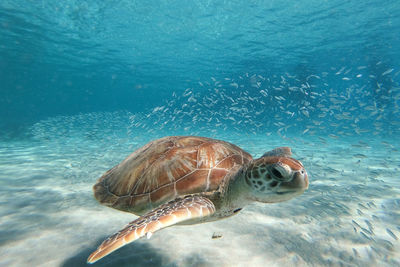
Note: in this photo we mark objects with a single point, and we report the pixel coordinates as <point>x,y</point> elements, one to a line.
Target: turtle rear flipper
<point>176,211</point>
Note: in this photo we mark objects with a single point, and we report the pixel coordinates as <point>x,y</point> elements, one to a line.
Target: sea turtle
<point>189,180</point>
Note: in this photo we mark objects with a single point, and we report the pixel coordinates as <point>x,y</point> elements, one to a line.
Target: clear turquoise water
<point>85,83</point>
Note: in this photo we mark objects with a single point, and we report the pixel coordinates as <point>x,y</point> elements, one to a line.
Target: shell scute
<point>160,195</point>
<point>193,182</point>
<point>216,177</point>
<point>210,154</point>
<point>189,141</point>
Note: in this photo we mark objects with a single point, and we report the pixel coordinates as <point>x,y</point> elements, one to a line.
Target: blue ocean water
<point>85,83</point>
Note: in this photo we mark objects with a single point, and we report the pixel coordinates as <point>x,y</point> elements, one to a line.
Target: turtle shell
<point>167,168</point>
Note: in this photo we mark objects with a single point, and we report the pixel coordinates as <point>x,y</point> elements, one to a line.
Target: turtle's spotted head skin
<point>276,178</point>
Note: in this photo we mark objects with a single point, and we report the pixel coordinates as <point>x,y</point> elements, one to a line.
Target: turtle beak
<point>307,183</point>
<point>299,182</point>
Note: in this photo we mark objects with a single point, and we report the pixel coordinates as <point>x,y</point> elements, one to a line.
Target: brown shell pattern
<point>167,168</point>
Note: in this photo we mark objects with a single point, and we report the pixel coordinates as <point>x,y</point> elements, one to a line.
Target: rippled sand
<point>349,216</point>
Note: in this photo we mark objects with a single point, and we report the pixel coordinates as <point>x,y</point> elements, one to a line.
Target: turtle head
<point>276,177</point>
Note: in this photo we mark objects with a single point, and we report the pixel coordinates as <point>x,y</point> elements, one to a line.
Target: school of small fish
<point>284,104</point>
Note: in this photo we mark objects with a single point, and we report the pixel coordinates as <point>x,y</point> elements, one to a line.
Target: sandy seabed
<point>349,216</point>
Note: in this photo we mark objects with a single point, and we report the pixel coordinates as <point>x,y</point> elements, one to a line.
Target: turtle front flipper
<point>177,211</point>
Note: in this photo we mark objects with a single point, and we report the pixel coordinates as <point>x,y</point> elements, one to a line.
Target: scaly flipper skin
<point>176,211</point>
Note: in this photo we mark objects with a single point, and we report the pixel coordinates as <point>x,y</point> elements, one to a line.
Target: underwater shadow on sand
<point>135,254</point>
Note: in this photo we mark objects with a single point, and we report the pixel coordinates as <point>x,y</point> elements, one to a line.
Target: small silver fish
<point>391,234</point>
<point>362,206</point>
<point>369,225</point>
<point>360,156</point>
<point>387,72</point>
<point>367,237</point>
<point>376,218</point>
<point>353,221</point>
